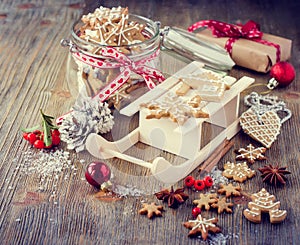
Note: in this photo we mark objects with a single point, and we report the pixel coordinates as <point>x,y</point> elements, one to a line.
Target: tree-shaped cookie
<point>263,202</point>
<point>202,226</point>
<point>239,171</point>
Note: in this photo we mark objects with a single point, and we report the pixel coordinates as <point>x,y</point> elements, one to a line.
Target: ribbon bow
<point>221,29</point>
<point>250,30</point>
<point>126,65</point>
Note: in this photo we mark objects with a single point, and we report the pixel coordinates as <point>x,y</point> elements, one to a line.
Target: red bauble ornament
<point>97,173</point>
<point>283,73</point>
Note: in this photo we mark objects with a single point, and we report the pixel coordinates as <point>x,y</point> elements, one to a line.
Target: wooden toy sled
<point>169,133</point>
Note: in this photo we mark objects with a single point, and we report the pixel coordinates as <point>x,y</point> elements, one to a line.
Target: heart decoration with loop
<point>263,120</point>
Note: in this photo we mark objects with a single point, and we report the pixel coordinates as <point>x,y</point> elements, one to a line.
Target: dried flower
<point>174,198</point>
<point>274,174</point>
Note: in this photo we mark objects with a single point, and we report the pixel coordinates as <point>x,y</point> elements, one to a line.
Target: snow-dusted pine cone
<point>92,117</point>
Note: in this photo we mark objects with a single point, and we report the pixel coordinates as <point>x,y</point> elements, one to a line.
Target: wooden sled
<point>182,140</point>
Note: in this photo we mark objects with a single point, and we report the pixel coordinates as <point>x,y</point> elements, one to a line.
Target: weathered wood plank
<point>33,68</point>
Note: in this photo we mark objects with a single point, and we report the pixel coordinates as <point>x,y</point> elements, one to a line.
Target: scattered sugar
<point>217,239</point>
<point>49,166</point>
<point>45,163</point>
<point>127,190</point>
<point>217,177</point>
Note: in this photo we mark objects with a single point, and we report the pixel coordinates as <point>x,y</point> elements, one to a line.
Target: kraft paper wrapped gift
<point>251,54</point>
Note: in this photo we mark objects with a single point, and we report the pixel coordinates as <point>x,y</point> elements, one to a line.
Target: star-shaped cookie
<point>206,200</point>
<point>223,206</point>
<point>151,210</point>
<point>229,190</point>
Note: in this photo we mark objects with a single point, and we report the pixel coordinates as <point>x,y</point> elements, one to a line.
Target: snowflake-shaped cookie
<point>239,172</point>
<point>151,210</point>
<point>251,153</point>
<point>177,109</point>
<point>229,190</point>
<point>202,226</point>
<point>222,205</point>
<point>206,200</point>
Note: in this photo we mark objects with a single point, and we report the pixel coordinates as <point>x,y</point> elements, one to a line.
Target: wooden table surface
<point>65,210</point>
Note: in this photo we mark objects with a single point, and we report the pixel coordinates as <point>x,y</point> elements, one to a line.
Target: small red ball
<point>196,211</point>
<point>97,173</point>
<point>199,184</point>
<point>55,140</point>
<point>189,181</point>
<point>32,138</point>
<point>39,144</point>
<point>25,136</point>
<point>55,132</point>
<point>283,72</point>
<point>208,181</point>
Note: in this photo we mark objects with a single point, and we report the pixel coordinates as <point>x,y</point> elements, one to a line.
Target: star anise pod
<point>274,174</point>
<point>174,198</point>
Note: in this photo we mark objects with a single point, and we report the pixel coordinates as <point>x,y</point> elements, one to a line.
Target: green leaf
<point>47,126</point>
<point>47,134</point>
<point>29,130</point>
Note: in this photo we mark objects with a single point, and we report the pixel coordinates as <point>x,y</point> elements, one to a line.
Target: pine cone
<point>97,112</point>
<point>92,117</point>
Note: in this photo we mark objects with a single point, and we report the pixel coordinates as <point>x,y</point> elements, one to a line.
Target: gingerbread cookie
<point>230,190</point>
<point>263,202</point>
<point>111,27</point>
<point>251,153</point>
<point>264,128</point>
<point>239,172</point>
<point>175,108</point>
<point>207,89</point>
<point>202,226</point>
<point>151,210</point>
<point>206,200</point>
<point>223,206</point>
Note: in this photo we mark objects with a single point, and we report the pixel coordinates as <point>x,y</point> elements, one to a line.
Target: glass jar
<point>86,78</point>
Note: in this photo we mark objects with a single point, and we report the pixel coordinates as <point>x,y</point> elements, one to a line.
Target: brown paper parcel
<point>251,54</point>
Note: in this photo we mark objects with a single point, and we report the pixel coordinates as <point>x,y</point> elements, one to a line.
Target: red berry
<point>37,132</point>
<point>199,184</point>
<point>25,136</point>
<point>55,140</point>
<point>39,144</point>
<point>55,132</point>
<point>208,181</point>
<point>32,138</point>
<point>97,173</point>
<point>196,211</point>
<point>48,147</point>
<point>189,181</point>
